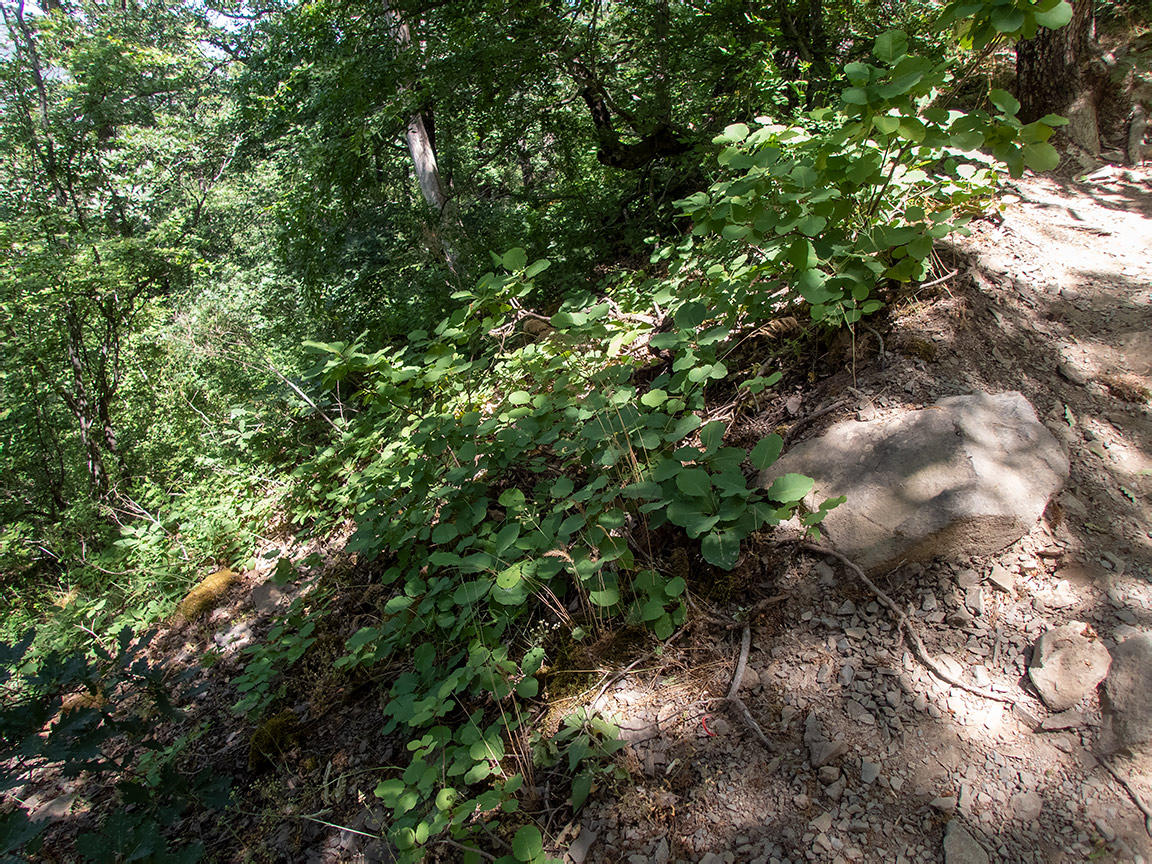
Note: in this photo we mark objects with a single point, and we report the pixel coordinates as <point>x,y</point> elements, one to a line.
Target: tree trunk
<point>1051,77</point>
<point>423,151</point>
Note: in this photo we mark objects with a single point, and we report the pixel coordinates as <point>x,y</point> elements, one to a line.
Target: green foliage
<point>494,474</point>
<point>827,211</point>
<point>981,22</point>
<point>286,642</point>
<point>61,709</point>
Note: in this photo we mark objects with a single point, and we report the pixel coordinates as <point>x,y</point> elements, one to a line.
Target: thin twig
<point>305,397</point>
<point>915,643</point>
<point>797,427</point>
<point>734,689</point>
<point>936,282</point>
<point>1137,799</point>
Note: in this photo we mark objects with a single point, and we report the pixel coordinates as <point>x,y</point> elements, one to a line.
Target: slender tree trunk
<point>423,151</point>
<point>80,403</point>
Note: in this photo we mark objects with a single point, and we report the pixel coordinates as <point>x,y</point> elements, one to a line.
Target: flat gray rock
<point>1067,665</point>
<point>1127,699</point>
<point>960,847</point>
<point>967,476</point>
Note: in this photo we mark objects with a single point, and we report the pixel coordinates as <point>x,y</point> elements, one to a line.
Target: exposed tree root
<point>737,679</point>
<point>1137,799</point>
<point>914,641</point>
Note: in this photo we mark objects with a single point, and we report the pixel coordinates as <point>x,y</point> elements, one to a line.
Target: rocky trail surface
<point>867,755</point>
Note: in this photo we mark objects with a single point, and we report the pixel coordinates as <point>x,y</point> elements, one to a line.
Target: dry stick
<point>936,282</point>
<point>802,424</point>
<point>917,646</point>
<point>737,678</point>
<point>1132,793</point>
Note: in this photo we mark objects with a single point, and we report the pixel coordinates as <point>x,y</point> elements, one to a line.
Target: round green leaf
<point>527,688</point>
<point>790,487</point>
<point>1007,19</point>
<point>765,453</point>
<point>607,597</point>
<point>890,46</point>
<point>1041,156</point>
<point>1005,101</point>
<point>886,124</point>
<point>693,481</point>
<point>520,397</point>
<point>528,843</point>
<point>514,259</point>
<point>653,398</point>
<point>721,548</point>
<point>1057,16</point>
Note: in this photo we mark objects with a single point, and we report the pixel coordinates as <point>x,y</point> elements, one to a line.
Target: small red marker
<point>704,723</point>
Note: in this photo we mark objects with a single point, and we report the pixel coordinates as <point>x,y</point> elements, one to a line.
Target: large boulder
<point>969,475</point>
<point>1127,698</point>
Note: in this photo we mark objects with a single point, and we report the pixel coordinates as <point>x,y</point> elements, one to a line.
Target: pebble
<point>835,790</point>
<point>1027,806</point>
<point>869,771</point>
<point>928,603</point>
<point>847,674</point>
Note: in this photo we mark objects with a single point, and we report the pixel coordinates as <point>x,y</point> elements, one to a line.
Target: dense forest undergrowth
<point>255,343</point>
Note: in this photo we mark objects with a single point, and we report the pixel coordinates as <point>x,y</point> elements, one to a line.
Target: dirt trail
<point>1052,298</point>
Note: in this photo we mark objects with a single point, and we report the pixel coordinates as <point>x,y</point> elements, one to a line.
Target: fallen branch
<point>737,679</point>
<point>914,641</point>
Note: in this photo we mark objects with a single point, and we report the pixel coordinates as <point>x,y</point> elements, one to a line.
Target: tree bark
<point>1051,77</point>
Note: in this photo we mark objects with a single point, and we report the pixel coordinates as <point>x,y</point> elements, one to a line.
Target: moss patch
<point>273,740</point>
<point>204,597</point>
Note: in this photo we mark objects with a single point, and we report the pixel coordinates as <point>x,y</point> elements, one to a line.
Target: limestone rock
<point>967,476</point>
<point>1067,665</point>
<point>960,847</point>
<point>1127,698</point>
